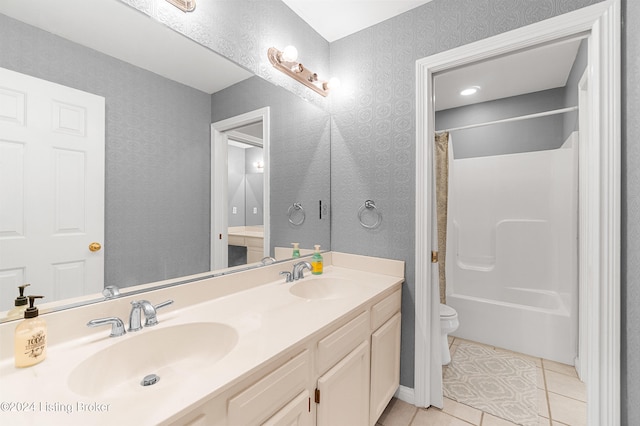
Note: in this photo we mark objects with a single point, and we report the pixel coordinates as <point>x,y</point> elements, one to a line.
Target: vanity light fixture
<point>184,5</point>
<point>470,91</point>
<point>287,62</point>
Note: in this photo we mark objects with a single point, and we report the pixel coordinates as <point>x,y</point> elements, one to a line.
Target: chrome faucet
<point>298,269</point>
<point>117,326</point>
<point>138,307</point>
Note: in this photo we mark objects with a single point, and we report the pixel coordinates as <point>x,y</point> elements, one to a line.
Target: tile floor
<point>561,401</point>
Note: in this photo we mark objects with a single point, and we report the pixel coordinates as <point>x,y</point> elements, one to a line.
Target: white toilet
<point>448,324</point>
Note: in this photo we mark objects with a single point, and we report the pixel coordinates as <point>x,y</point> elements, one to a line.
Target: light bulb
<point>290,54</point>
<point>332,84</point>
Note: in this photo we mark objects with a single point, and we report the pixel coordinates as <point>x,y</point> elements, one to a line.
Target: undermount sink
<point>173,354</point>
<point>324,288</point>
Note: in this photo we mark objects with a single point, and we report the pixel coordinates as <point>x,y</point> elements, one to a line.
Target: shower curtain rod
<point>507,120</point>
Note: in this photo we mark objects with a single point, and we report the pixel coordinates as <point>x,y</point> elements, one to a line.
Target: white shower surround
<point>512,250</point>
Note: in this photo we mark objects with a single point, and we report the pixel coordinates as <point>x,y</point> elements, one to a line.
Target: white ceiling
<point>533,70</point>
<point>335,19</point>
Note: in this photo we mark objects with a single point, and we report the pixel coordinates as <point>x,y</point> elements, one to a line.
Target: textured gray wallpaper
<point>631,215</point>
<point>373,122</point>
<point>157,154</point>
<point>299,156</point>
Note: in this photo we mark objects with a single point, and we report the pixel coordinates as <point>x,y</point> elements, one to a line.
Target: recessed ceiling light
<point>469,91</point>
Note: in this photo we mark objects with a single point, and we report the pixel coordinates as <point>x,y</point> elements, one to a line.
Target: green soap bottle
<point>316,261</point>
<point>296,250</point>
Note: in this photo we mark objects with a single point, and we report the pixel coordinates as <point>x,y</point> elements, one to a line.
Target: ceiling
<point>335,19</point>
<point>532,70</point>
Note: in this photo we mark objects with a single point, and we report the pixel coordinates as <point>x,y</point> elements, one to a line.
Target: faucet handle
<point>288,277</point>
<point>111,291</point>
<point>163,304</point>
<point>117,326</point>
<point>153,320</point>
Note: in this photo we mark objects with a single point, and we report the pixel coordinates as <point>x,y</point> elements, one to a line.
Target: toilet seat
<point>447,311</point>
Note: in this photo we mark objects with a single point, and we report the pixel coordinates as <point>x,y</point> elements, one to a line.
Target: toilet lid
<point>447,311</point>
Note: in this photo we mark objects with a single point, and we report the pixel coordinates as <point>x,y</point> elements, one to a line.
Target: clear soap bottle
<point>316,261</point>
<point>30,341</point>
<point>20,305</point>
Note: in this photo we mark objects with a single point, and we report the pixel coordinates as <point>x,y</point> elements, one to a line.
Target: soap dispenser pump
<point>20,305</point>
<point>30,340</point>
<point>316,261</point>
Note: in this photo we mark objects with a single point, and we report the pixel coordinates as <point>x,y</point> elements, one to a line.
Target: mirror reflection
<point>245,161</point>
<point>157,165</point>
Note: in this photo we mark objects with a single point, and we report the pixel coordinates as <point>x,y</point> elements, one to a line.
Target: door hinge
<point>434,257</point>
<point>317,399</point>
<point>309,404</point>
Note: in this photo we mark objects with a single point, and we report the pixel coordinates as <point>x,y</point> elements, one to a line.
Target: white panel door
<point>344,391</point>
<point>385,366</point>
<point>51,188</point>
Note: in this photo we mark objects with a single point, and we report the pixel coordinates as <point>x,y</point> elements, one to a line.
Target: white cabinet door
<point>342,396</point>
<point>295,413</point>
<point>51,188</point>
<point>385,366</point>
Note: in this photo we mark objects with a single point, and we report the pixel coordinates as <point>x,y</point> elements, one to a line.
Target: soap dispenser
<point>30,341</point>
<point>316,261</point>
<point>296,250</point>
<point>20,305</point>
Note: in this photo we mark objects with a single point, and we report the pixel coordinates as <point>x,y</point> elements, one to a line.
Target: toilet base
<point>446,354</point>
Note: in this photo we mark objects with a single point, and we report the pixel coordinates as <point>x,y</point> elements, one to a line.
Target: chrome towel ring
<point>369,209</point>
<point>296,214</point>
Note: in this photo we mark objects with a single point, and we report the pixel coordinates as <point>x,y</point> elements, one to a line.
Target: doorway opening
<point>240,225</point>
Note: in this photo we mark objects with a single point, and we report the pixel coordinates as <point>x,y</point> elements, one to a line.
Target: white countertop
<point>269,320</point>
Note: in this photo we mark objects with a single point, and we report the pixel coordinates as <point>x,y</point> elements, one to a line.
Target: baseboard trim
<point>406,394</point>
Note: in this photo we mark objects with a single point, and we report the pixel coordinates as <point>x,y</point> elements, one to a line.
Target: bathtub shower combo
<point>512,251</point>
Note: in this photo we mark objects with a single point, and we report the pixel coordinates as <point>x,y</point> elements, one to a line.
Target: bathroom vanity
<point>241,349</point>
<point>251,237</point>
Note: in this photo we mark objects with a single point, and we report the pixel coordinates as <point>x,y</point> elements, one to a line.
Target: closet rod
<point>507,120</point>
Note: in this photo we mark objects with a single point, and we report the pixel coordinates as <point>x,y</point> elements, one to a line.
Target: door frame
<point>602,23</point>
<point>220,187</point>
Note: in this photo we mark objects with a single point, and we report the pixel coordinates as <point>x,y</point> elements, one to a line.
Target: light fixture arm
<point>298,72</point>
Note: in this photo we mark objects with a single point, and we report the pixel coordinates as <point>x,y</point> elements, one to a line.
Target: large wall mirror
<point>162,92</point>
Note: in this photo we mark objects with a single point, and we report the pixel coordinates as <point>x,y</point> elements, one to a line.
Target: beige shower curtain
<point>442,190</point>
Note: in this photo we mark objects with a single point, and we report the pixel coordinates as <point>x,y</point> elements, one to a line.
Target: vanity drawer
<point>236,240</point>
<point>338,344</point>
<point>263,399</point>
<point>385,309</point>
